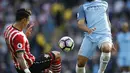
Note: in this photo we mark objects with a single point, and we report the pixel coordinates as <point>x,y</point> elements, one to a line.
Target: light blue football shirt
<point>123,40</point>
<point>95,16</point>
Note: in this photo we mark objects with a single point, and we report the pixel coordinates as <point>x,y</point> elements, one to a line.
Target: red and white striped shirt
<point>16,41</point>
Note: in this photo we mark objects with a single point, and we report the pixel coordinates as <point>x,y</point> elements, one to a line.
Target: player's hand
<point>91,30</point>
<point>29,30</point>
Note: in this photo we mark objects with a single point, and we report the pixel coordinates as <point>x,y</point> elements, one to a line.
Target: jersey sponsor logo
<point>95,7</point>
<point>19,45</point>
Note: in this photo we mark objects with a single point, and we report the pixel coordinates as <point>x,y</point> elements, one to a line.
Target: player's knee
<point>106,50</point>
<point>58,60</point>
<point>106,47</point>
<point>81,61</point>
<point>57,54</point>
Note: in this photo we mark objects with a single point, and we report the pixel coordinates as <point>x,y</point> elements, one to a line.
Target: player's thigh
<point>87,48</point>
<point>105,44</point>
<point>41,63</point>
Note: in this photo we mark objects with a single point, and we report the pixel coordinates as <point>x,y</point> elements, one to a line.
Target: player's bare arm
<point>22,61</point>
<point>82,26</point>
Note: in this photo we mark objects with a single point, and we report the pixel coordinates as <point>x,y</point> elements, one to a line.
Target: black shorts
<point>41,63</point>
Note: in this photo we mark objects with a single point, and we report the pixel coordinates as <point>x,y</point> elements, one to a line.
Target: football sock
<point>104,59</point>
<point>80,69</point>
<point>56,66</point>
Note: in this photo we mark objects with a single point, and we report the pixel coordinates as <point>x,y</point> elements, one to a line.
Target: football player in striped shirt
<point>19,47</point>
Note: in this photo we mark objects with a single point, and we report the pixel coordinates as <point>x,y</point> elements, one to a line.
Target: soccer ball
<point>66,44</point>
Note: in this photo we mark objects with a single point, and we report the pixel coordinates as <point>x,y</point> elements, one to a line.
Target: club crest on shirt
<point>19,45</point>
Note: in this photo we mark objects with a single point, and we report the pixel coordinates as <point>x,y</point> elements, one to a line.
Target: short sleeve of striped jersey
<point>19,43</point>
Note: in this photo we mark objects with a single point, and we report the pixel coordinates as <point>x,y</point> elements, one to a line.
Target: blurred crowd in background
<point>54,19</point>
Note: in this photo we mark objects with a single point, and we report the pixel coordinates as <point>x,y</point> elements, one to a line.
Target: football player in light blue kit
<point>123,40</point>
<point>93,20</point>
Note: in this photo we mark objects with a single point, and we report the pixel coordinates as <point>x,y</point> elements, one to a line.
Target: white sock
<point>80,69</point>
<point>104,59</point>
<point>124,72</point>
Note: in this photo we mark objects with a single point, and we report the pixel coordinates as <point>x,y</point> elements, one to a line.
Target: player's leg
<point>124,64</point>
<point>86,51</point>
<point>128,69</point>
<point>44,62</point>
<point>105,46</point>
<point>127,64</point>
<point>56,66</point>
<point>124,69</point>
<point>80,66</point>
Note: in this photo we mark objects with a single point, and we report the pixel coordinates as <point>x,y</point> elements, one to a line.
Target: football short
<point>41,63</point>
<point>123,61</point>
<point>88,46</point>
